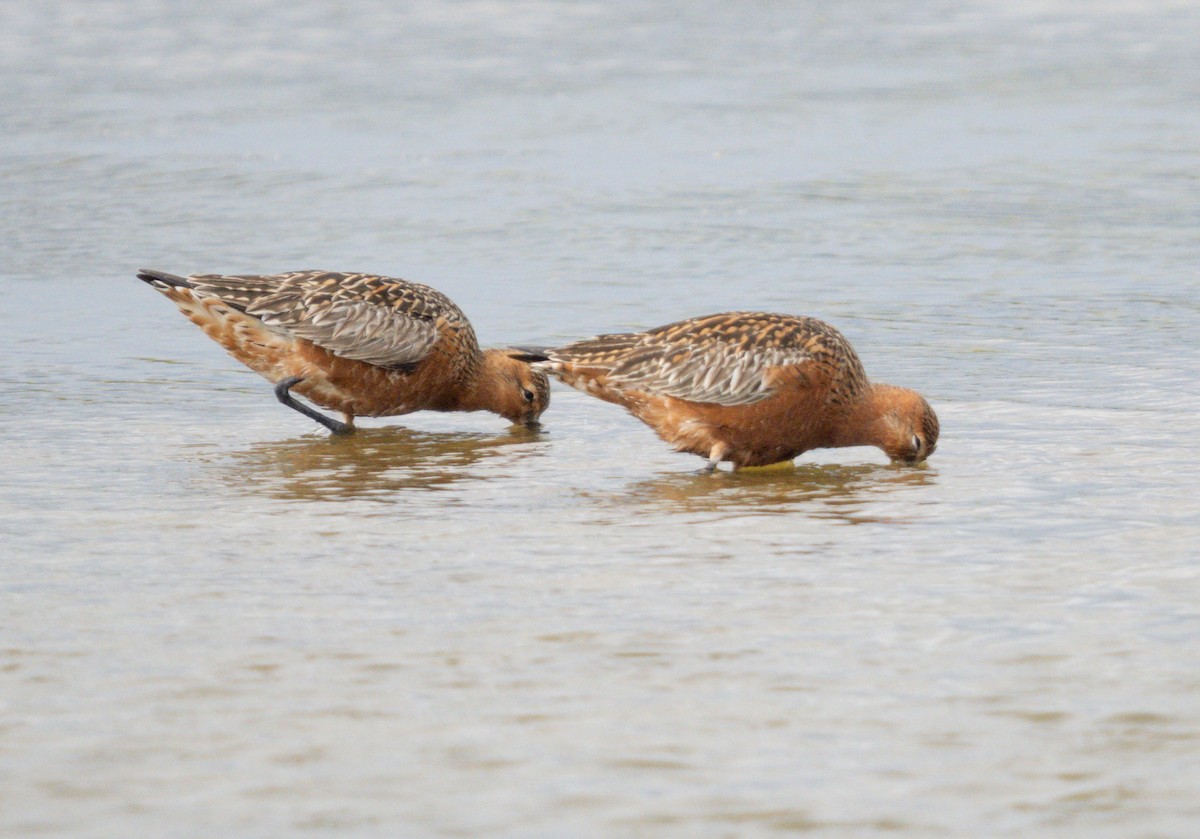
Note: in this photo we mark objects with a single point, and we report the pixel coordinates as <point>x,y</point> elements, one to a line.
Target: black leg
<point>283,394</point>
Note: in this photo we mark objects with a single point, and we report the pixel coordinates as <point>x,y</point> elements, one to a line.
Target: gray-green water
<point>217,621</point>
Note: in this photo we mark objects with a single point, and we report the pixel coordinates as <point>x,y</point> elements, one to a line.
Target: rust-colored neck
<point>490,385</point>
<point>867,422</point>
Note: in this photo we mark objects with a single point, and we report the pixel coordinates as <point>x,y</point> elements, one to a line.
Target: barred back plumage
<point>722,359</point>
<point>379,320</point>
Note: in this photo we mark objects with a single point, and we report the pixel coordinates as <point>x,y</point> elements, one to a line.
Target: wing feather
<point>379,320</point>
<point>726,359</point>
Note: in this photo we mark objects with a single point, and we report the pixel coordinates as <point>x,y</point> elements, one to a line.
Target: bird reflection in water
<point>371,463</point>
<point>843,493</point>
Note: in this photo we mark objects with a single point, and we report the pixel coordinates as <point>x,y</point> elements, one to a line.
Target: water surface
<point>220,621</point>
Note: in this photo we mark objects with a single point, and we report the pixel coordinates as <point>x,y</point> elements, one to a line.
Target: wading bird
<point>747,387</point>
<point>360,344</point>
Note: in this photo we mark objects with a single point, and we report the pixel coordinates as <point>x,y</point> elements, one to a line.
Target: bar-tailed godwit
<point>746,387</point>
<point>360,344</point>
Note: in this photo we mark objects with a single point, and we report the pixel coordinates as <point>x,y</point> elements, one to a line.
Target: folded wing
<point>379,320</point>
<point>735,358</point>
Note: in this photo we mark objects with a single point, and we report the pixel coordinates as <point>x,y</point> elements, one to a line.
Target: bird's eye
<point>528,394</point>
<point>916,443</point>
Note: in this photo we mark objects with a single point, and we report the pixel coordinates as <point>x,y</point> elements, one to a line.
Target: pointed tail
<point>162,280</point>
<point>530,355</point>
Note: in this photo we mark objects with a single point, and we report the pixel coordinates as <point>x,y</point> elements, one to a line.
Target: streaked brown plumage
<point>361,344</point>
<point>747,387</point>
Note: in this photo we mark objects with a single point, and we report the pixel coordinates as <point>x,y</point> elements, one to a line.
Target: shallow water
<point>220,621</point>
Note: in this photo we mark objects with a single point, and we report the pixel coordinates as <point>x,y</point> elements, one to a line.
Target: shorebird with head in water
<point>746,387</point>
<point>361,344</point>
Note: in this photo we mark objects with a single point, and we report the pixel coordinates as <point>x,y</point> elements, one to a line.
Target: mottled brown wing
<point>726,359</point>
<point>379,320</point>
